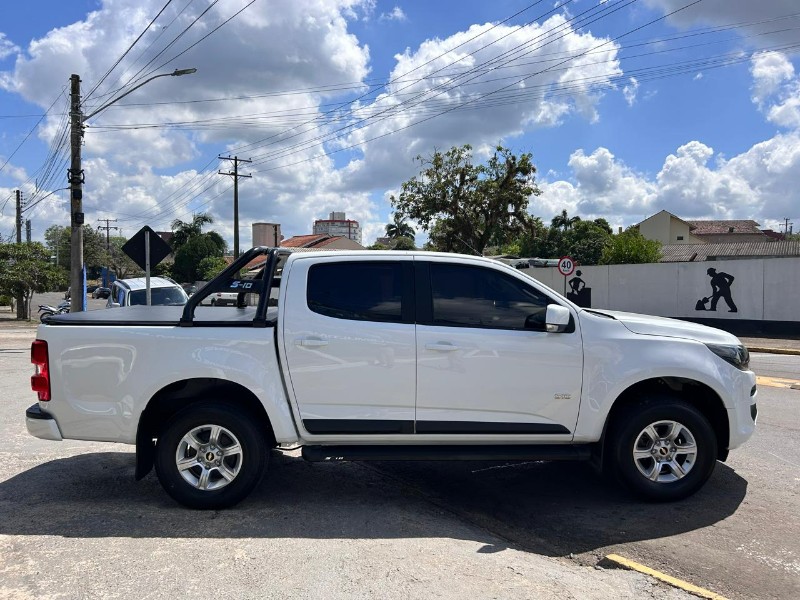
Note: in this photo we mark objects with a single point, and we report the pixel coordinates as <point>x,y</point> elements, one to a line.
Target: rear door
<point>349,343</point>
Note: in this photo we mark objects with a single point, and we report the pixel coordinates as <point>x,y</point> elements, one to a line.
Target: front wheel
<point>664,449</point>
<point>208,457</point>
<point>45,314</point>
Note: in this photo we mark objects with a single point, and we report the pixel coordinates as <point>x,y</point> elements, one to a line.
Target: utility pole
<point>28,230</point>
<point>20,299</point>
<point>75,180</point>
<point>235,174</point>
<point>108,228</point>
<point>19,216</point>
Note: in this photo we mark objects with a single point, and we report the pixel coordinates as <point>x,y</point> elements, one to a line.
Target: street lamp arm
<point>175,73</point>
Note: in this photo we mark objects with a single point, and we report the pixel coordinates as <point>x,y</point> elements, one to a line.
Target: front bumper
<point>41,424</point>
<point>743,415</point>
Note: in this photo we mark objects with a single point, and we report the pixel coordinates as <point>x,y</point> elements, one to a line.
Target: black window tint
<point>476,297</point>
<point>362,291</point>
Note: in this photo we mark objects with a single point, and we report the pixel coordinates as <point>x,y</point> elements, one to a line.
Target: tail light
<point>40,381</point>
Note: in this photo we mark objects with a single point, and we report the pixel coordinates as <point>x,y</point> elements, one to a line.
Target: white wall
<point>763,289</point>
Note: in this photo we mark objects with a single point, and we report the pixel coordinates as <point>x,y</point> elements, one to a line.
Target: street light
<point>76,179</point>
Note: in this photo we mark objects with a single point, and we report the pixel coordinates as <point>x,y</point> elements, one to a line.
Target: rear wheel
<point>208,457</point>
<point>663,449</point>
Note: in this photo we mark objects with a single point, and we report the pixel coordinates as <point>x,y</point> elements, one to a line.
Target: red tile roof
<point>304,241</point>
<point>718,227</point>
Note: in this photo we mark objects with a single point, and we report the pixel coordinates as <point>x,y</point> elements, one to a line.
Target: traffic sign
<point>135,248</point>
<point>566,265</point>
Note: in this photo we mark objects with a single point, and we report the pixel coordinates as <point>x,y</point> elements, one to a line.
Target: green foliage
<point>210,267</point>
<point>183,232</point>
<point>57,239</point>
<point>631,247</point>
<point>25,269</point>
<point>464,206</point>
<point>190,254</point>
<point>404,243</point>
<point>398,228</point>
<point>378,246</point>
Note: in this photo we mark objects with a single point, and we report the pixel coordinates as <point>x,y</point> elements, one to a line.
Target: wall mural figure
<point>579,293</point>
<point>720,288</point>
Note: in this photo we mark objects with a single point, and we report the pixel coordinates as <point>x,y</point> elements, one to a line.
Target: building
<point>338,225</point>
<point>726,232</point>
<point>666,228</point>
<point>321,242</point>
<point>672,230</point>
<point>267,234</point>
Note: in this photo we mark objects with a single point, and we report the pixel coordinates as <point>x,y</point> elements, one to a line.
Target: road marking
<point>673,581</point>
<point>779,382</point>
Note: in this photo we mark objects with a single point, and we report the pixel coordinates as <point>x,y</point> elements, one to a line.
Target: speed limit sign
<point>566,265</point>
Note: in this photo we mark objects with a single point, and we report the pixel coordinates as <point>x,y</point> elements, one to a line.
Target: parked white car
<point>133,292</point>
<point>392,355</point>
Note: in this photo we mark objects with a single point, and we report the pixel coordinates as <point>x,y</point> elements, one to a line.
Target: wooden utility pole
<point>235,174</point>
<point>75,179</point>
<point>108,228</point>
<point>19,216</point>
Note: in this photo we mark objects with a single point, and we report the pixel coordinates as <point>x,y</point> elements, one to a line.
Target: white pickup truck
<point>391,356</point>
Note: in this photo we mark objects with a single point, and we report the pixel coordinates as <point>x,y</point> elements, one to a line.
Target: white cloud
<point>754,184</point>
<point>776,88</point>
<point>396,14</point>
<point>630,90</point>
<point>456,80</point>
<point>698,77</point>
<point>7,48</point>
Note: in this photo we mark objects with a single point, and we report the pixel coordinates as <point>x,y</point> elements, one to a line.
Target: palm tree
<point>564,221</point>
<point>182,232</point>
<point>399,228</point>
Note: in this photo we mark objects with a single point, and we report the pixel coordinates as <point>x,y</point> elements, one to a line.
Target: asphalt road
<point>75,524</point>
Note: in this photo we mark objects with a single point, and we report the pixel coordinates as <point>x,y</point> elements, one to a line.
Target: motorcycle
<point>46,310</point>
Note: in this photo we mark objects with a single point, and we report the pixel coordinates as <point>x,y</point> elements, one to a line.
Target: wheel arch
<point>176,396</point>
<point>694,392</point>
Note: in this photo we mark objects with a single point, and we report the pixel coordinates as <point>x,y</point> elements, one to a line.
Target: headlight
<point>738,356</point>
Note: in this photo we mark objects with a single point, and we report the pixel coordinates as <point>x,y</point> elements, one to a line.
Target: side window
<point>467,296</point>
<point>359,291</point>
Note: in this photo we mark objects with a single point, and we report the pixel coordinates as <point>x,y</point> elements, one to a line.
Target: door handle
<point>442,347</point>
<point>312,342</point>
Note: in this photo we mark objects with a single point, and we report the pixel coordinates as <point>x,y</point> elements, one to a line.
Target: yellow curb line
<point>673,581</point>
<point>765,350</point>
<point>779,382</point>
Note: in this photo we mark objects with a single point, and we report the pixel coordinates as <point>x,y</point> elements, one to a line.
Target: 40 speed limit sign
<point>566,265</point>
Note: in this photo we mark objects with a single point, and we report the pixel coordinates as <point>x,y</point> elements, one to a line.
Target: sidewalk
<point>772,345</point>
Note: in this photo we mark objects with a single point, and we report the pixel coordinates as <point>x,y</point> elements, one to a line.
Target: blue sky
<point>697,113</point>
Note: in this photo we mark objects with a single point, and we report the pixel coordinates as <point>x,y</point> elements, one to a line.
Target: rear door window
<point>360,291</point>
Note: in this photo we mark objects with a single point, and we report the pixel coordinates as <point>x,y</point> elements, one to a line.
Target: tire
<point>45,314</point>
<point>215,474</point>
<point>663,449</point>
<point>213,302</point>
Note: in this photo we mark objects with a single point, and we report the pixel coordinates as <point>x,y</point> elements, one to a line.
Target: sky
<point>628,107</point>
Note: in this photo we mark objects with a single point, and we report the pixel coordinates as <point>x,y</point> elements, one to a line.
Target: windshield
<point>162,296</point>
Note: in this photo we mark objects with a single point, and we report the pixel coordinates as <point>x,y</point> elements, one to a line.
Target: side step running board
<point>432,452</point>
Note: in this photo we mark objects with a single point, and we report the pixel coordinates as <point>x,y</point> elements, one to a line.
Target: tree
<point>404,243</point>
<point>564,221</point>
<point>190,255</point>
<point>182,232</point>
<point>25,269</point>
<point>119,262</point>
<point>95,256</point>
<point>398,228</point>
<point>586,241</point>
<point>464,206</point>
<point>210,267</point>
<point>631,247</point>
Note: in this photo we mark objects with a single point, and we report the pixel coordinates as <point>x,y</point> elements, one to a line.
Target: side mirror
<point>557,319</point>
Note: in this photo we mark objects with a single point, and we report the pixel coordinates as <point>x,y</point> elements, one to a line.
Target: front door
<point>486,365</point>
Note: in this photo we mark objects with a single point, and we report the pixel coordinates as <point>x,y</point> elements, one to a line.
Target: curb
<point>789,351</point>
<point>618,561</point>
